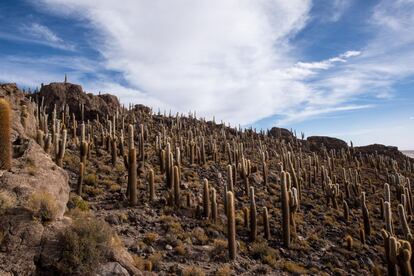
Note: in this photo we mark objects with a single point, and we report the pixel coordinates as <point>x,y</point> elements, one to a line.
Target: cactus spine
<point>231,226</point>
<point>5,137</point>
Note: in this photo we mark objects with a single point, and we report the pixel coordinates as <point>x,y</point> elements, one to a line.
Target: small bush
<point>84,245</point>
<point>43,206</point>
<point>261,250</point>
<point>155,259</point>
<point>90,179</point>
<point>93,191</point>
<point>199,235</point>
<point>7,201</point>
<point>219,251</point>
<point>79,203</point>
<point>223,271</point>
<point>294,268</point>
<point>193,271</point>
<point>141,263</point>
<point>150,237</point>
<point>180,249</point>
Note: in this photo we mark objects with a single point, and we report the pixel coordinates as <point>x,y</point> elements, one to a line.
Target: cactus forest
<point>189,196</point>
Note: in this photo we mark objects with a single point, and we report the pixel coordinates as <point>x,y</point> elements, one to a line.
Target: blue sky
<point>328,67</point>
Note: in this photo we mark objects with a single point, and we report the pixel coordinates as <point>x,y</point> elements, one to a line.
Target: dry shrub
<point>225,270</point>
<point>155,259</point>
<point>79,203</point>
<point>150,237</point>
<point>90,179</point>
<point>141,263</point>
<point>7,201</point>
<point>193,271</point>
<point>220,250</point>
<point>262,251</point>
<point>84,245</point>
<point>199,235</point>
<point>43,206</point>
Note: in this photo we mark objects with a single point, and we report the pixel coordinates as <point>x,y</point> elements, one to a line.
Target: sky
<point>341,68</point>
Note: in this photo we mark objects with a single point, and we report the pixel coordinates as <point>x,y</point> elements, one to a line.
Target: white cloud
<point>234,59</point>
<point>42,34</point>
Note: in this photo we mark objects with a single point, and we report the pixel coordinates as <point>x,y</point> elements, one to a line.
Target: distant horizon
<point>298,132</point>
<point>340,68</point>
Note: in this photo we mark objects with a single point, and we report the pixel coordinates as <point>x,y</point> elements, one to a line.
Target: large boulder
<point>317,143</point>
<point>281,133</point>
<point>59,94</point>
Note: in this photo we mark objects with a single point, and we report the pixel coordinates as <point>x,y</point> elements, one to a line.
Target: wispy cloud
<point>235,59</point>
<point>38,33</point>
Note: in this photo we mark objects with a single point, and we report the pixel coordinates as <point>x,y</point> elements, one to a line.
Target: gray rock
<point>111,269</point>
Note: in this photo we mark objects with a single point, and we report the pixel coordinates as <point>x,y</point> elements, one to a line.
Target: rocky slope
<point>170,238</point>
<point>28,245</point>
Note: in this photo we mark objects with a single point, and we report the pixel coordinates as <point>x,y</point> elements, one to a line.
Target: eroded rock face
<point>281,133</point>
<point>316,143</point>
<point>73,95</point>
<point>17,99</point>
<point>28,246</point>
<point>33,171</point>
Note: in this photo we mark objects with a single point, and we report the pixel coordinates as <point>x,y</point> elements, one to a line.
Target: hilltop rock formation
<point>316,143</point>
<point>281,133</point>
<point>59,94</point>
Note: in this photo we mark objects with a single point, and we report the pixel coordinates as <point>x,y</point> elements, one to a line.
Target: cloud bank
<point>236,60</point>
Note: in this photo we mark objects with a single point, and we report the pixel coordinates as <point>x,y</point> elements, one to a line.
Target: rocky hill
<point>136,193</point>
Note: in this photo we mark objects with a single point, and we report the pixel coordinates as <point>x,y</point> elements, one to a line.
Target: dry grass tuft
<point>43,206</point>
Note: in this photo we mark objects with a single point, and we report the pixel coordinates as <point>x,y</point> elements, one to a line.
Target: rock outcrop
<point>317,143</point>
<point>33,171</point>
<point>29,246</point>
<point>283,133</point>
<point>60,94</point>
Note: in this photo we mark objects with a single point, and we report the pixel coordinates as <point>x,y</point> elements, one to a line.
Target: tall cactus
<point>231,226</point>
<point>404,223</point>
<point>266,225</point>
<point>346,211</point>
<point>230,187</point>
<point>388,217</point>
<point>151,185</point>
<point>253,216</point>
<point>62,148</point>
<point>214,214</point>
<point>365,214</point>
<point>80,179</point>
<point>176,187</point>
<point>206,199</point>
<point>5,137</point>
<point>285,210</point>
<point>132,168</point>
